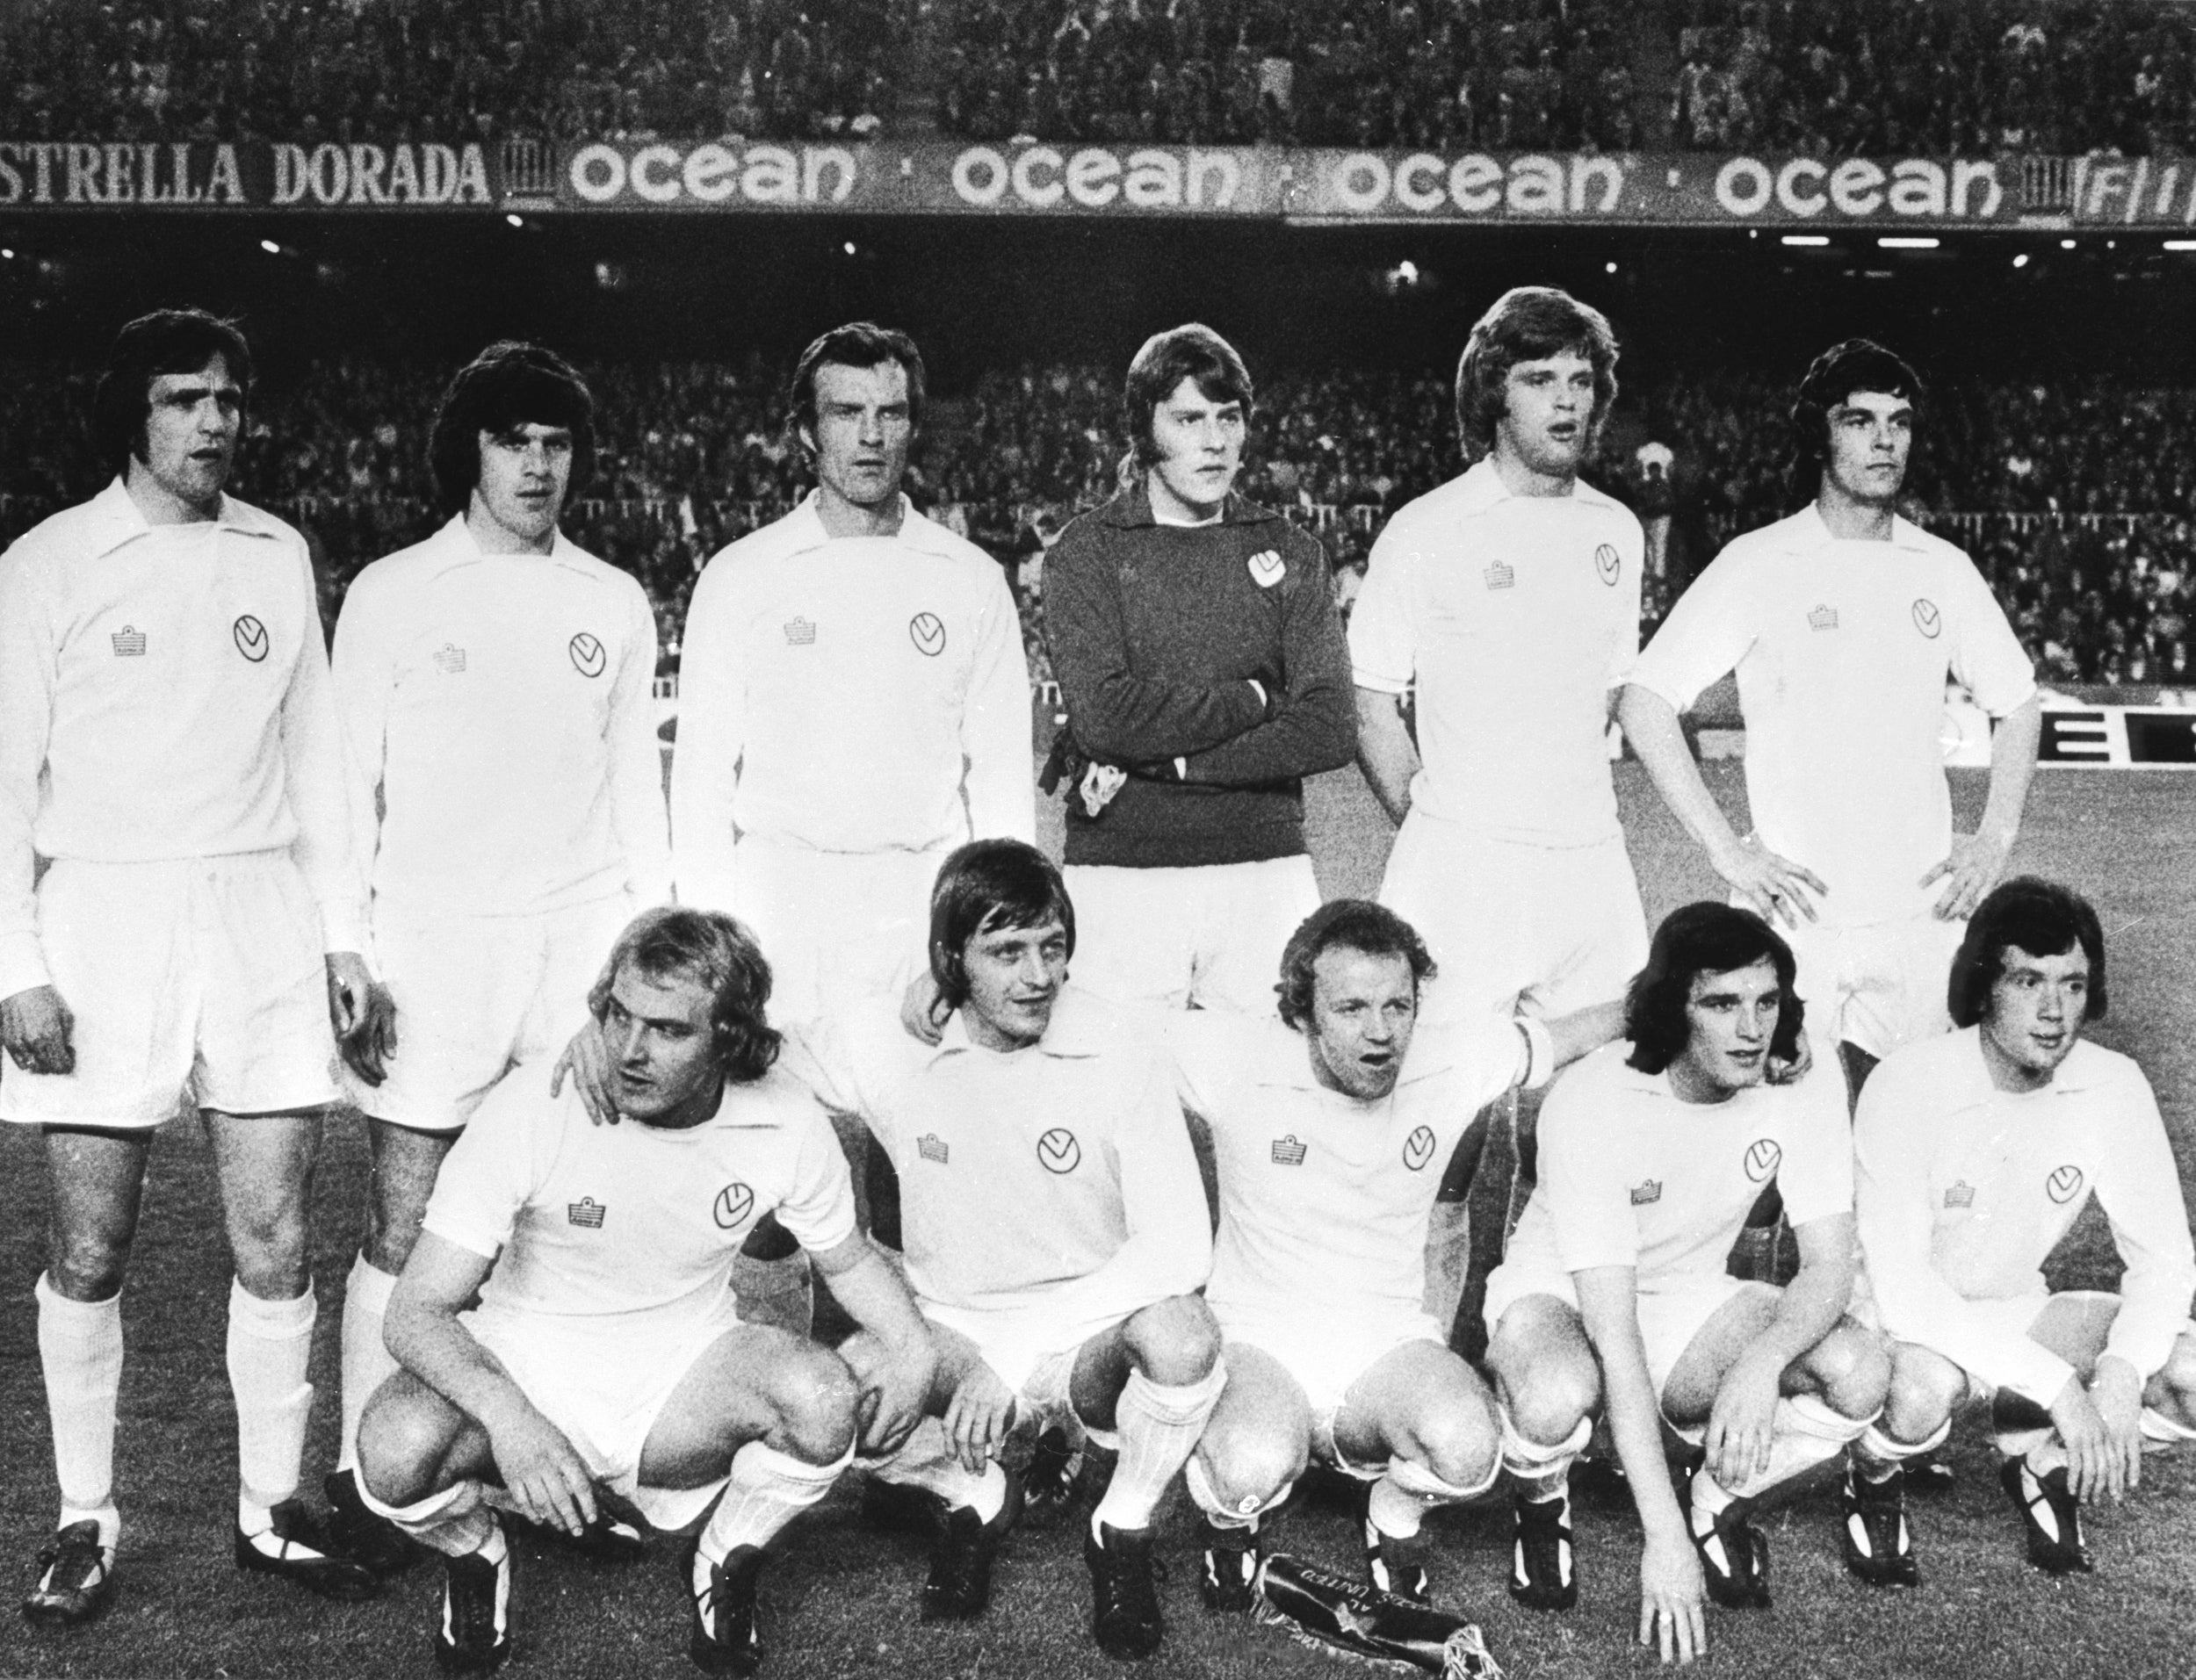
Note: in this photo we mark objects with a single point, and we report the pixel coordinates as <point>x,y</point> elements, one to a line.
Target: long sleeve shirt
<point>1961,1190</point>
<point>1045,1192</point>
<point>861,694</point>
<point>499,711</point>
<point>164,693</point>
<point>1162,638</point>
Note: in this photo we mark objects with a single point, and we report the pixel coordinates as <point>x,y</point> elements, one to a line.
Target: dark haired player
<point>1507,601</point>
<point>1204,674</point>
<point>604,1356</point>
<point>495,683</point>
<point>1055,1227</point>
<point>1975,1151</point>
<point>1843,623</point>
<point>1613,1291</point>
<point>169,744</point>
<point>1331,1124</point>
<point>853,700</point>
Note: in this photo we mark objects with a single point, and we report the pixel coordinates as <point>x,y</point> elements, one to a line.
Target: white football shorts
<point>834,925</point>
<point>477,994</point>
<point>1881,986</point>
<point>1326,1355</point>
<point>1670,1317</point>
<point>1546,930</point>
<point>194,982</point>
<point>1211,935</point>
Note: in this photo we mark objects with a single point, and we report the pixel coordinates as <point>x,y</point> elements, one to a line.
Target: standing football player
<point>1613,1288</point>
<point>495,684</point>
<point>1204,674</point>
<point>1844,623</point>
<point>168,745</point>
<point>1508,602</point>
<point>1976,1151</point>
<point>564,1324</point>
<point>1056,1233</point>
<point>1331,1123</point>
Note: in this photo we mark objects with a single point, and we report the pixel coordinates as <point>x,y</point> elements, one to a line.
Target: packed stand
<point>1438,72</point>
<point>2100,581</point>
<point>393,69</point>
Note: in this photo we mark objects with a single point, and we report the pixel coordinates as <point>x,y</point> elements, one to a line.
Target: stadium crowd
<point>277,69</point>
<point>1880,76</point>
<point>2065,495</point>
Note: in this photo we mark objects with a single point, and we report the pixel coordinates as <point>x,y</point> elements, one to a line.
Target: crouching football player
<point>1975,1153</point>
<point>1331,1127</point>
<point>605,1352</point>
<point>1651,1154</point>
<point>1054,1226</point>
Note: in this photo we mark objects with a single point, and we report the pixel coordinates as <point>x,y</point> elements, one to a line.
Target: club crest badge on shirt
<point>2064,1184</point>
<point>1762,1156</point>
<point>926,631</point>
<point>250,636</point>
<point>1266,568</point>
<point>1058,1151</point>
<point>589,656</point>
<point>1418,1148</point>
<point>1927,619</point>
<point>734,1203</point>
<point>1608,563</point>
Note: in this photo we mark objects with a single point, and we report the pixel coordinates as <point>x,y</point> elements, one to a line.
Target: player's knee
<point>1854,1369</point>
<point>393,1229</point>
<point>2177,1377</point>
<point>272,1254</point>
<point>1923,1390</point>
<point>1461,1444</point>
<point>1560,1397</point>
<point>404,1437</point>
<point>816,1398</point>
<point>1247,1472</point>
<point>88,1265</point>
<point>1174,1341</point>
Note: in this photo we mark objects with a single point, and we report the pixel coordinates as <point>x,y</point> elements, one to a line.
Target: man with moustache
<point>169,749</point>
<point>497,688</point>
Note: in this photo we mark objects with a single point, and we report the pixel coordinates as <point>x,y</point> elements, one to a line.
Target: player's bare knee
<point>2175,1383</point>
<point>270,1251</point>
<point>814,1394</point>
<point>1853,1370</point>
<point>404,1438</point>
<point>1461,1444</point>
<point>87,1266</point>
<point>392,1228</point>
<point>1173,1341</point>
<point>1562,1394</point>
<point>1922,1393</point>
<point>1248,1469</point>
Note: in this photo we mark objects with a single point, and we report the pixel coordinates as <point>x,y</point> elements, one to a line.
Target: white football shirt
<point>1514,616</point>
<point>503,707</point>
<point>1324,1199</point>
<point>164,693</point>
<point>1842,649</point>
<point>609,1241</point>
<point>1963,1189</point>
<point>1045,1194</point>
<point>849,694</point>
<point>1632,1175</point>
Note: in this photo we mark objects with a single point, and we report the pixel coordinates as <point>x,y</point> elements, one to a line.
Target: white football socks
<point>1159,1425</point>
<point>269,1343</point>
<point>923,1461</point>
<point>768,1490</point>
<point>1877,1456</point>
<point>456,1522</point>
<point>80,1348</point>
<point>1398,1503</point>
<point>1803,1433</point>
<point>366,1362</point>
<point>1544,1467</point>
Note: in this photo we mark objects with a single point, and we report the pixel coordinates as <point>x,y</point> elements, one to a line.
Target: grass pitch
<point>841,1600</point>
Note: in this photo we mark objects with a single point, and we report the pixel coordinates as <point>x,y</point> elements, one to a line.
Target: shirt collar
<point>2082,1070</point>
<point>1073,1031</point>
<point>465,547</point>
<point>120,521</point>
<point>804,528</point>
<point>1132,509</point>
<point>1904,533</point>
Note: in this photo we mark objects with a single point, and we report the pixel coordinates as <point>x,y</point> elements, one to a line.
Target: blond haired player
<point>1977,1149</point>
<point>169,745</point>
<point>1507,601</point>
<point>495,683</point>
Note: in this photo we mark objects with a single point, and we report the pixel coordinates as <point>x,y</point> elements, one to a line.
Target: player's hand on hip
<point>371,1040</point>
<point>2116,1391</point>
<point>923,1010</point>
<point>978,1417</point>
<point>1776,888</point>
<point>1671,1595</point>
<point>585,1062</point>
<point>547,1482</point>
<point>1969,870</point>
<point>39,1031</point>
<point>2091,1468</point>
<point>1742,1420</point>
